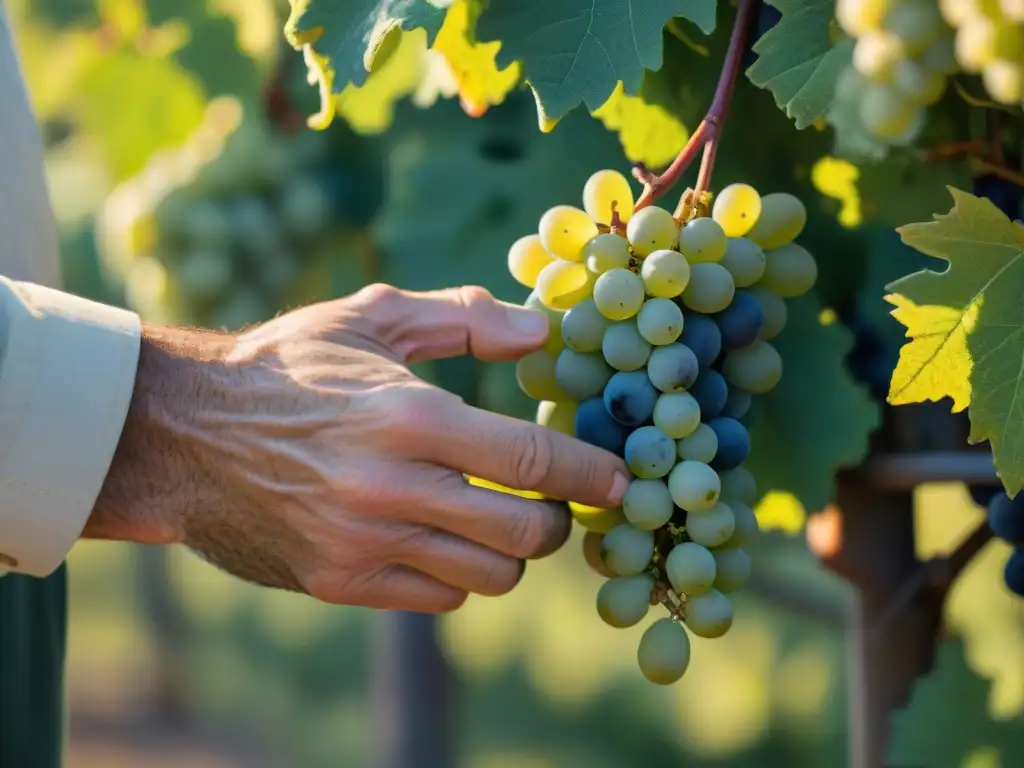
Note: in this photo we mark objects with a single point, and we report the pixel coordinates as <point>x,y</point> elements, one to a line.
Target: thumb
<point>456,321</point>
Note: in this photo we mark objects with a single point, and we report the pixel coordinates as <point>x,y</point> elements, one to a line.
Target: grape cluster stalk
<point>660,338</point>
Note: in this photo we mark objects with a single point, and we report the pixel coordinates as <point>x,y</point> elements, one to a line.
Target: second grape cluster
<point>660,336</point>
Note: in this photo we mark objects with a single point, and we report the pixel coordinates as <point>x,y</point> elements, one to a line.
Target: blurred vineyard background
<point>174,664</point>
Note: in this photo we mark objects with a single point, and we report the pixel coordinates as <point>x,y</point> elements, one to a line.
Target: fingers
<point>452,322</point>
<point>395,587</point>
<point>461,563</point>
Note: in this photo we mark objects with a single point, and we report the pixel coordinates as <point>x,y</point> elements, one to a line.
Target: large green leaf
<point>964,326</point>
<point>798,60</point>
<point>575,51</point>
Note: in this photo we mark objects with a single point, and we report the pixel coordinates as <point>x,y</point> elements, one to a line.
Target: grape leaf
<point>575,51</point>
<point>793,453</point>
<point>964,326</point>
<point>649,133</point>
<point>798,61</point>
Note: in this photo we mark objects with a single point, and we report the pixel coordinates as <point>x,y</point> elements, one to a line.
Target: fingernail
<point>619,485</point>
<point>528,322</point>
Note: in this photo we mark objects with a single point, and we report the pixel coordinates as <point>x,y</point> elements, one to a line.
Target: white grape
<point>790,271</point>
<point>664,652</point>
<point>526,259</point>
<point>619,294</point>
<point>690,568</point>
<point>651,229</point>
<point>605,190</point>
<point>565,231</point>
<point>700,445</point>
<point>745,261</point>
<point>694,486</point>
<point>712,527</point>
<point>782,219</point>
<point>709,615</point>
<point>606,252</point>
<point>665,273</point>
<point>563,284</point>
<point>710,289</point>
<point>732,569</point>
<point>736,209</point>
<point>702,239</point>
<point>755,369</point>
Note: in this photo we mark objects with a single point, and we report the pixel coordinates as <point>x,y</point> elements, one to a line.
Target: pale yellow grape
<point>701,445</point>
<point>563,284</point>
<point>536,376</point>
<point>606,252</point>
<point>885,112</point>
<point>665,274</point>
<point>790,271</point>
<point>920,85</point>
<point>782,220</point>
<point>755,369</point>
<point>977,43</point>
<point>702,240</point>
<point>664,652</point>
<point>736,209</point>
<point>940,56</point>
<point>906,137</point>
<point>1012,9</point>
<point>694,486</point>
<point>876,55</point>
<point>619,294</point>
<point>712,527</point>
<point>745,261</point>
<point>559,416</point>
<point>597,519</point>
<point>624,600</point>
<point>738,485</point>
<point>526,258</point>
<point>857,17</point>
<point>732,569</point>
<point>651,229</point>
<point>709,615</point>
<point>917,25</point>
<point>604,190</point>
<point>711,288</point>
<point>565,230</point>
<point>959,12</point>
<point>775,311</point>
<point>554,343</point>
<point>1004,81</point>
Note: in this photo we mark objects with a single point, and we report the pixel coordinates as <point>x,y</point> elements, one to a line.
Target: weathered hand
<point>303,454</point>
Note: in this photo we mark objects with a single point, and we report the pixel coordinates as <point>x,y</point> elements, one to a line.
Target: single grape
<point>1013,574</point>
<point>651,229</point>
<point>1004,81</point>
<point>664,652</point>
<point>665,274</point>
<point>554,343</point>
<point>672,368</point>
<point>982,495</point>
<point>746,524</point>
<point>690,568</point>
<point>733,443</point>
<point>606,252</point>
<point>535,374</point>
<point>1006,518</point>
<point>694,486</point>
<point>592,554</point>
<point>624,348</point>
<point>526,259</point>
<point>756,369</point>
<point>745,261</point>
<point>606,191</point>
<point>1013,10</point>
<point>627,550</point>
<point>624,600</point>
<point>711,392</point>
<point>876,55</point>
<point>676,414</point>
<point>736,209</point>
<point>559,416</point>
<point>711,527</point>
<point>791,271</point>
<point>857,17</point>
<point>885,112</point>
<point>647,504</point>
<point>597,519</point>
<point>701,446</point>
<point>710,288</point>
<point>709,615</point>
<point>564,284</point>
<point>977,43</point>
<point>630,398</point>
<point>701,335</point>
<point>702,240</point>
<point>581,376</point>
<point>732,569</point>
<point>775,311</point>
<point>741,322</point>
<point>650,453</point>
<point>917,25</point>
<point>565,231</point>
<point>958,12</point>
<point>921,86</point>
<point>619,294</point>
<point>782,219</point>
<point>660,321</point>
<point>737,405</point>
<point>739,485</point>
<point>583,327</point>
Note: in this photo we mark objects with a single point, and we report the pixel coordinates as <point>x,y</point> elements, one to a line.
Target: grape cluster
<point>903,55</point>
<point>990,42</point>
<point>1006,519</point>
<point>659,338</point>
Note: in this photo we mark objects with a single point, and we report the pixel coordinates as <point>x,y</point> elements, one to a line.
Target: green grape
<point>739,485</point>
<point>526,259</point>
<point>755,369</point>
<point>940,56</point>
<point>885,112</point>
<point>606,252</point>
<point>701,240</point>
<point>922,86</point>
<point>651,229</point>
<point>619,294</point>
<point>627,550</point>
<point>554,343</point>
<point>711,527</point>
<point>565,231</point>
<point>694,486</point>
<point>535,374</point>
<point>676,414</point>
<point>559,416</point>
<point>701,445</point>
<point>747,528</point>
<point>623,347</point>
<point>1004,81</point>
<point>672,368</point>
<point>917,25</point>
<point>664,652</point>
<point>790,271</point>
<point>592,554</point>
<point>204,274</point>
<point>665,274</point>
<point>690,568</point>
<point>732,569</point>
<point>649,453</point>
<point>564,284</point>
<point>583,327</point>
<point>305,208</point>
<point>876,55</point>
<point>709,615</point>
<point>581,376</point>
<point>604,191</point>
<point>647,504</point>
<point>977,43</point>
<point>736,209</point>
<point>624,601</point>
<point>660,321</point>
<point>710,289</point>
<point>745,261</point>
<point>775,311</point>
<point>782,219</point>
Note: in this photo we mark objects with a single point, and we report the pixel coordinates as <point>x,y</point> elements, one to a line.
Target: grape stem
<point>705,137</point>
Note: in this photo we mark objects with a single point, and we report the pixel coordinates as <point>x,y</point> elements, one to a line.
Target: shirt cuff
<point>67,373</point>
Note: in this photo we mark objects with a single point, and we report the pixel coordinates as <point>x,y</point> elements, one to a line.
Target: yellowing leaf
<point>838,179</point>
<point>480,83</point>
<point>649,133</point>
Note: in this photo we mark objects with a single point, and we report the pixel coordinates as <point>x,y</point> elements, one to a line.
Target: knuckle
<point>379,294</point>
<point>501,576</point>
<point>532,454</point>
<point>527,536</point>
<point>472,296</point>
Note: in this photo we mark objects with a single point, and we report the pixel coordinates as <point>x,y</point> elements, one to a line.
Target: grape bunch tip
<point>660,338</point>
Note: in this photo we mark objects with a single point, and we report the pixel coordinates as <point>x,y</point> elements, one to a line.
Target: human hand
<point>303,454</point>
